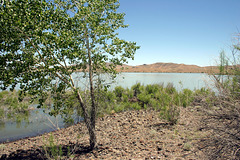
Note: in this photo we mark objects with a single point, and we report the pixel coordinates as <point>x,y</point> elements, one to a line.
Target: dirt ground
<point>126,135</point>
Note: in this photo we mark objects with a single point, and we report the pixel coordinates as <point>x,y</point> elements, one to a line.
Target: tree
<point>44,42</point>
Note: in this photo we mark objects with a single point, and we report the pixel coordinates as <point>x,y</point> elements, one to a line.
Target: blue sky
<point>180,31</point>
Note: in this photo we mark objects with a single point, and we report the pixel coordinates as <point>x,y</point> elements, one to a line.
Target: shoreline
<point>129,134</point>
<point>40,134</point>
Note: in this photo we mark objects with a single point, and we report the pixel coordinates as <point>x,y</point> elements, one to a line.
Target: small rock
<point>159,148</point>
<point>141,141</point>
<point>4,156</point>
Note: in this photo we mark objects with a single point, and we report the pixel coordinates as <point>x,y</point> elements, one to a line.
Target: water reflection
<point>35,121</point>
<point>2,125</point>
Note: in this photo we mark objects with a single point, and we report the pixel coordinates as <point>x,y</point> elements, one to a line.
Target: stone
<point>4,156</point>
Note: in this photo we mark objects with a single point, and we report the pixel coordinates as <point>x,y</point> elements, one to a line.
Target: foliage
<point>152,89</point>
<point>118,92</point>
<point>187,146</point>
<point>170,113</point>
<point>170,88</point>
<point>144,98</point>
<point>1,112</point>
<point>223,118</point>
<point>136,89</point>
<point>136,106</point>
<point>166,100</point>
<point>12,109</point>
<point>52,150</point>
<point>44,42</point>
<point>186,97</point>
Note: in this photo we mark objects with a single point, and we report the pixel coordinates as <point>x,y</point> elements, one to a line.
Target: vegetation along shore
<point>153,121</point>
<point>42,46</point>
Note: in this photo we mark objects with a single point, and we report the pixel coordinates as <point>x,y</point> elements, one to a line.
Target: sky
<point>180,31</point>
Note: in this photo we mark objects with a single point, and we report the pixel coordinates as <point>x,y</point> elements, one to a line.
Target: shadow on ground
<point>39,153</point>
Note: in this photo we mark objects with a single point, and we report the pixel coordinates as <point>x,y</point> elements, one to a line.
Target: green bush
<point>3,94</point>
<point>11,108</point>
<point>144,98</point>
<point>170,113</point>
<point>165,99</point>
<point>203,92</point>
<point>156,96</point>
<point>110,97</point>
<point>107,108</point>
<point>154,103</point>
<point>11,101</point>
<point>234,87</point>
<point>170,89</point>
<point>186,97</point>
<point>1,113</point>
<point>152,89</point>
<point>125,98</point>
<point>119,108</point>
<point>136,89</point>
<point>136,106</point>
<point>129,93</point>
<point>118,91</point>
<point>52,149</point>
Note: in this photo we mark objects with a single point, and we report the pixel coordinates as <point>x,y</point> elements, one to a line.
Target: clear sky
<point>180,31</point>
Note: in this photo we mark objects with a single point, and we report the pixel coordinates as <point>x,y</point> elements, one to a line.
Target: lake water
<point>179,80</point>
<point>41,122</point>
<point>37,123</point>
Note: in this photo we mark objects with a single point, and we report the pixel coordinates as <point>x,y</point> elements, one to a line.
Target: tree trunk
<point>89,124</point>
<point>93,139</point>
<point>90,121</point>
<point>92,134</point>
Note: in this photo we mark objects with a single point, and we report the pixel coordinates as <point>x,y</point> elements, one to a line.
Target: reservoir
<point>39,122</point>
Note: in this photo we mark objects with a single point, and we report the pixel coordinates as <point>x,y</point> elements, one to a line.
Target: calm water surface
<point>179,80</point>
<point>37,123</point>
<point>41,122</point>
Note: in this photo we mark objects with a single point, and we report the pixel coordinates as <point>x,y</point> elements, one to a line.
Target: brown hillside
<point>167,67</point>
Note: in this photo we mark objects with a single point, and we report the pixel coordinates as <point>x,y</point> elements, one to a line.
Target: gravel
<point>126,135</point>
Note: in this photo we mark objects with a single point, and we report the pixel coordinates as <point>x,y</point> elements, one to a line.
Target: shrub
<point>165,99</point>
<point>144,98</point>
<point>119,108</point>
<point>203,92</point>
<point>170,113</point>
<point>136,89</point>
<point>125,98</point>
<point>186,97</point>
<point>154,103</point>
<point>52,149</point>
<point>136,106</point>
<point>223,122</point>
<point>129,93</point>
<point>170,89</point>
<point>187,146</point>
<point>152,89</point>
<point>1,113</point>
<point>110,97</point>
<point>3,94</point>
<point>11,101</point>
<point>118,91</point>
<point>12,109</point>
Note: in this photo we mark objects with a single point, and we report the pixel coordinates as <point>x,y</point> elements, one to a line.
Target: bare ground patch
<point>126,135</point>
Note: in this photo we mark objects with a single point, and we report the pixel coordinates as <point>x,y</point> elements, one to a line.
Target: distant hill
<point>168,67</point>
